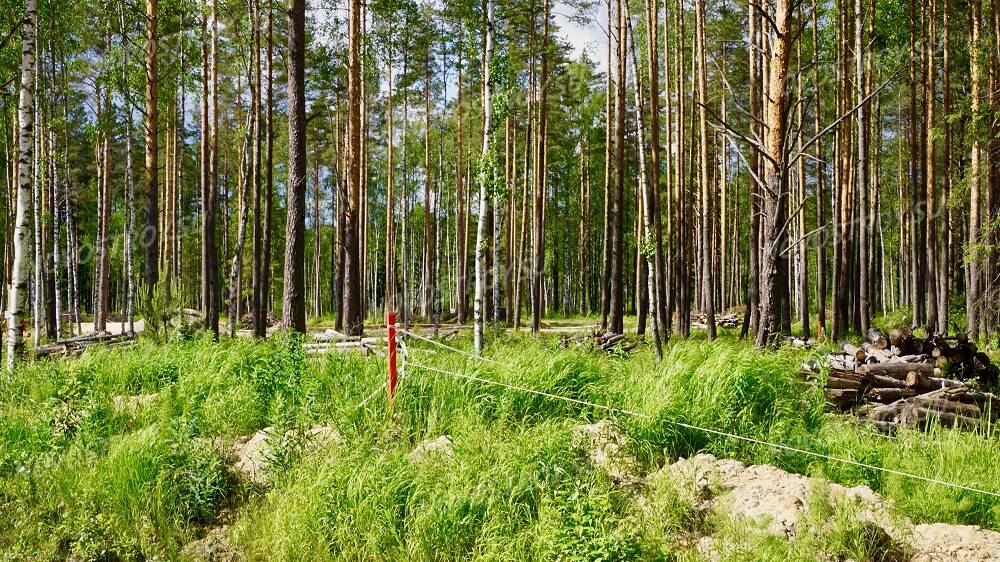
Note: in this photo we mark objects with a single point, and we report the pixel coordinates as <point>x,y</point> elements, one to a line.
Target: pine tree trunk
<point>353,315</point>
<point>606,228</point>
<point>975,168</point>
<point>293,299</point>
<point>617,298</point>
<point>257,277</point>
<point>265,276</point>
<point>151,238</point>
<point>930,165</point>
<point>541,164</point>
<point>775,182</point>
<point>707,192</point>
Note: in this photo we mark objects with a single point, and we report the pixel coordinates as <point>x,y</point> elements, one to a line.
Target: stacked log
<point>898,379</point>
<point>77,345</point>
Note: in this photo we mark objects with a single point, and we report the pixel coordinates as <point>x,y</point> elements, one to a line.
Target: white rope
<point>714,432</point>
<point>450,348</point>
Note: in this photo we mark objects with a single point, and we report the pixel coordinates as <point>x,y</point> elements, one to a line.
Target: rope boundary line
<point>753,440</point>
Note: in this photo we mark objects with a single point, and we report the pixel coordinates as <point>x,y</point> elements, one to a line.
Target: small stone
<point>440,447</point>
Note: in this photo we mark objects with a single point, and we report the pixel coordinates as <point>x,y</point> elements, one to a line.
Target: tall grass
<point>83,476</point>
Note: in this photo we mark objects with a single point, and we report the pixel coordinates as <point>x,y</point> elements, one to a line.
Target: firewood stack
<point>899,379</point>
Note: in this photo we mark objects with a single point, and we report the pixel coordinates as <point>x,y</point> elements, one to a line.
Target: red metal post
<point>391,343</point>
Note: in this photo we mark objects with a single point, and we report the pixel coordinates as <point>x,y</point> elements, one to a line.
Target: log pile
<point>77,345</point>
<point>898,379</point>
<point>605,341</point>
<point>365,346</point>
<point>722,320</point>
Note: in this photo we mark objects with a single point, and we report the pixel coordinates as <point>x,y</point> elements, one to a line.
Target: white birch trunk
<point>25,155</point>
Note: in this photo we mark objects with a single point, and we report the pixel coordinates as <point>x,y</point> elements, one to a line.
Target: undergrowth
<point>90,471</point>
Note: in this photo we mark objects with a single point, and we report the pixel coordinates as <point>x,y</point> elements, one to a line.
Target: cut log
<point>844,398</point>
<point>919,416</point>
<point>839,382</point>
<point>877,338</point>
<point>942,405</point>
<point>898,370</point>
<point>890,395</point>
<point>926,383</point>
<point>854,351</point>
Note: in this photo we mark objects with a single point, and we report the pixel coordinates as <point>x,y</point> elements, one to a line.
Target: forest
<point>616,245</point>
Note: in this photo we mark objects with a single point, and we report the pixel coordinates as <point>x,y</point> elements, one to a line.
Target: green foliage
<point>581,523</point>
<point>88,472</point>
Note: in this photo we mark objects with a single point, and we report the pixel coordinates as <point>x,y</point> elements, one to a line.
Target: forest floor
<point>248,450</point>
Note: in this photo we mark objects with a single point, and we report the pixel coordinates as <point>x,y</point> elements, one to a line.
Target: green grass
<point>82,478</point>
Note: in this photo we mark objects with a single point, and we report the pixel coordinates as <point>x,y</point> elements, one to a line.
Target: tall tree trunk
<point>486,181</point>
<point>617,299</point>
<point>802,281</point>
<point>775,171</point>
<point>293,299</point>
<point>428,283</point>
<point>930,166</point>
<point>103,273</point>
<point>972,294</point>
<point>265,283</point>
<point>656,225</point>
<point>151,237</point>
<point>353,315</point>
<point>541,164</point>
<point>258,313</point>
<point>461,230</point>
<point>606,229</point>
<point>820,171</point>
<point>390,198</point>
<point>317,237</point>
<point>235,285</point>
<point>25,158</point>
<point>707,192</point>
<point>648,205</point>
<point>129,190</point>
<point>864,240</point>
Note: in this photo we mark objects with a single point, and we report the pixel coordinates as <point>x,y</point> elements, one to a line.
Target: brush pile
<point>902,380</point>
<point>77,345</point>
